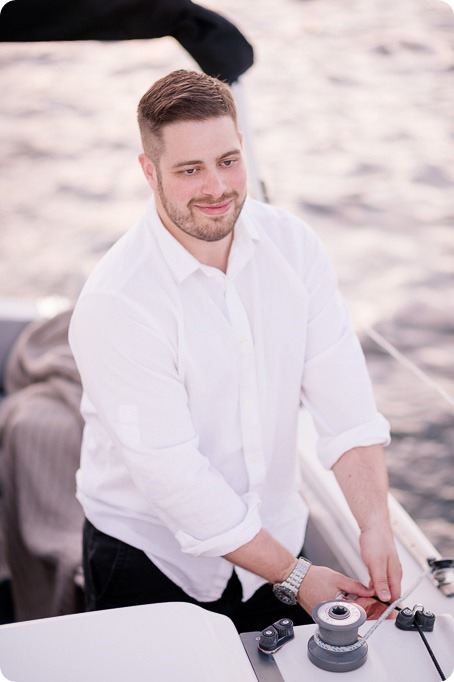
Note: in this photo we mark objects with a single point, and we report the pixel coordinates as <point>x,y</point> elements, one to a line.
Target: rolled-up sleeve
<point>131,377</point>
<point>230,539</point>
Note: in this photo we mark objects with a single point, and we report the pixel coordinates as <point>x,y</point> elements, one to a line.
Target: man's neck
<point>215,254</point>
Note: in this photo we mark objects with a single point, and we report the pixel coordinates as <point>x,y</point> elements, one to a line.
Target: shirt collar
<point>183,264</point>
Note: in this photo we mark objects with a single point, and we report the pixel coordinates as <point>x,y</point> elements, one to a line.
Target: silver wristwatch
<point>287,591</point>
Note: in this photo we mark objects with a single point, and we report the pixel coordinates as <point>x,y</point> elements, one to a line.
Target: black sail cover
<point>217,46</point>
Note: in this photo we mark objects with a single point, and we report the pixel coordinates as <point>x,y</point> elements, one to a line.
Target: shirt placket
<point>248,390</point>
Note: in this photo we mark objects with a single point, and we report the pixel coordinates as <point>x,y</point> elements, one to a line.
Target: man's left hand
<point>380,556</point>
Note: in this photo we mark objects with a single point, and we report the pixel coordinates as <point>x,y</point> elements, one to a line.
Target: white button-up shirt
<point>192,384</point>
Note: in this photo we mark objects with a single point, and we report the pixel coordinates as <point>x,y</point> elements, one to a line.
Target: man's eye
<point>189,171</point>
<point>229,162</point>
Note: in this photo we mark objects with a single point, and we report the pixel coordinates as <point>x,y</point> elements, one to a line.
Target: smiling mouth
<point>214,209</point>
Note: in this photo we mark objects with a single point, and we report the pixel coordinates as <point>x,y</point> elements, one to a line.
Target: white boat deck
<point>176,642</point>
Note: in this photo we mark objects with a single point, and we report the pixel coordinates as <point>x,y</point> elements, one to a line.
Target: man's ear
<point>149,170</point>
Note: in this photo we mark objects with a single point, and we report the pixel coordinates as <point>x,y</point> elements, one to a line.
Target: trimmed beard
<point>209,228</point>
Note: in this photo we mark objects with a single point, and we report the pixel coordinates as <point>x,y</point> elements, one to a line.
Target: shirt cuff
<point>228,541</point>
<point>331,448</point>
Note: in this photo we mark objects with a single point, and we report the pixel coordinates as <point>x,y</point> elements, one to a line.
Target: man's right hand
<point>322,584</point>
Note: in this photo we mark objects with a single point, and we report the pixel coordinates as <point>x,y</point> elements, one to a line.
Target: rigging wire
<point>406,362</point>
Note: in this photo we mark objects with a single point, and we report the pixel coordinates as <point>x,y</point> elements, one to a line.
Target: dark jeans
<point>118,575</point>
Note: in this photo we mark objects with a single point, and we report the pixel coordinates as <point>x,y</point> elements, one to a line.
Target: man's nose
<point>213,183</point>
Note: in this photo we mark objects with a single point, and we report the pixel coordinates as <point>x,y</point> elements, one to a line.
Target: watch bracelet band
<point>296,577</point>
<point>287,590</point>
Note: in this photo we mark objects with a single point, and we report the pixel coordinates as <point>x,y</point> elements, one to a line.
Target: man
<point>196,337</point>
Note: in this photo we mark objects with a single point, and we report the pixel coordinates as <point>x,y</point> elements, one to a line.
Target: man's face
<point>200,178</point>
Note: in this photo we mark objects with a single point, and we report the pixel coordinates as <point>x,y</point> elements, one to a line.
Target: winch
<point>336,645</point>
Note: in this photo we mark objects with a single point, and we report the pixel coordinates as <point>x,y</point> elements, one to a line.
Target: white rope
<point>369,633</point>
<point>397,355</point>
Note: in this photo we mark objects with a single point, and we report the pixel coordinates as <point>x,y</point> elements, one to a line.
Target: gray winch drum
<point>338,623</point>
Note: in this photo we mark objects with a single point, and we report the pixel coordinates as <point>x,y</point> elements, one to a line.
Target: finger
<point>355,587</point>
<point>391,582</point>
<point>395,590</point>
<point>381,585</point>
<point>395,578</point>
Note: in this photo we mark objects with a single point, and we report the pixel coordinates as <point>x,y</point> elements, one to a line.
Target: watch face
<point>284,594</point>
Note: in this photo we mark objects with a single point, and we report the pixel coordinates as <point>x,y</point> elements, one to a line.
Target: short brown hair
<point>181,96</point>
